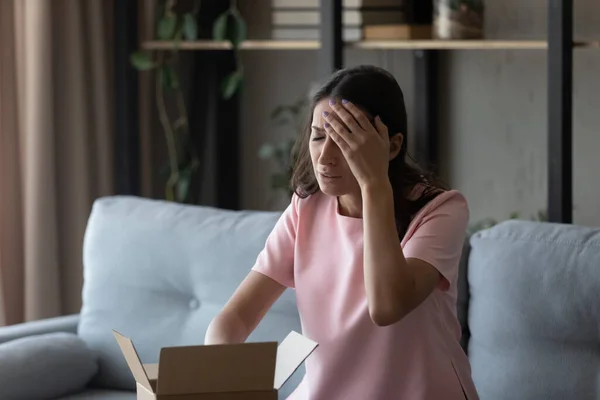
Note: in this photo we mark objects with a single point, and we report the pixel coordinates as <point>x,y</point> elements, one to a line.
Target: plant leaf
<point>220,26</point>
<point>177,40</point>
<point>183,185</point>
<point>285,146</point>
<point>237,30</point>
<point>514,215</point>
<point>169,77</point>
<point>231,83</point>
<point>174,78</point>
<point>542,216</point>
<point>167,26</point>
<point>277,112</point>
<point>266,151</point>
<point>190,27</point>
<point>141,61</point>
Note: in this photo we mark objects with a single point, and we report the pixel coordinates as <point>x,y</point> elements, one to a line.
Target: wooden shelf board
<point>370,44</point>
<point>451,44</point>
<point>247,45</point>
<point>588,44</point>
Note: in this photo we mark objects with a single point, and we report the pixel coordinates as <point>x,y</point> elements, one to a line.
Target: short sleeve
<point>276,259</point>
<point>440,234</point>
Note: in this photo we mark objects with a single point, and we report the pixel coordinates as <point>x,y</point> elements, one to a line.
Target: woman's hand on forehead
<point>339,110</point>
<point>365,146</point>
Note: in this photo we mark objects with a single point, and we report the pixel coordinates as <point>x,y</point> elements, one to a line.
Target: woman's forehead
<point>323,105</point>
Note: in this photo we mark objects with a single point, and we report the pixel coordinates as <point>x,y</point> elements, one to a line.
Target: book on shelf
<point>349,17</point>
<point>289,21</point>
<point>353,34</point>
<point>349,34</point>
<point>311,4</point>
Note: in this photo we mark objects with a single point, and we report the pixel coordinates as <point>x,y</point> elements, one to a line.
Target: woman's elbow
<point>226,328</point>
<point>386,316</point>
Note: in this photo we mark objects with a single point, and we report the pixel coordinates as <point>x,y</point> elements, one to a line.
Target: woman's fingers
<point>345,115</point>
<point>353,113</point>
<point>337,138</point>
<point>338,127</point>
<point>381,128</point>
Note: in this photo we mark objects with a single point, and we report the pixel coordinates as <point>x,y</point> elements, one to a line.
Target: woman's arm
<point>243,312</point>
<point>394,285</point>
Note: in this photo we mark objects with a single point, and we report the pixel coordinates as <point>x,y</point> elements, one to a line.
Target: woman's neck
<point>350,205</point>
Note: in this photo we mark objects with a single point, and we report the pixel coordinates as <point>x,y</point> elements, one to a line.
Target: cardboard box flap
<point>291,353</point>
<point>133,360</point>
<point>216,368</point>
<point>151,371</point>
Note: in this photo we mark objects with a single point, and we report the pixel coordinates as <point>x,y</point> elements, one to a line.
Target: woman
<point>371,245</point>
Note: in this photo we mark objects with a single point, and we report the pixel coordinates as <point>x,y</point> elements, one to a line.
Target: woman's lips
<point>328,177</point>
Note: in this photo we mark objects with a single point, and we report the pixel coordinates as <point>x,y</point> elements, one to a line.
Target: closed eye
<point>318,133</point>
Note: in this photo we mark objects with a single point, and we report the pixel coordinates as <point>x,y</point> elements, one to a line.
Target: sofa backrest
<point>534,311</point>
<point>158,272</point>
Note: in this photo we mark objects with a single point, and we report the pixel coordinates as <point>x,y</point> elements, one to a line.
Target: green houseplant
<point>291,117</point>
<point>490,222</point>
<point>175,26</point>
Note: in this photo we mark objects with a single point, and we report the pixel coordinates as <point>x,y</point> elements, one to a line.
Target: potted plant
<point>458,19</point>
<point>292,116</point>
<point>173,25</point>
<point>540,216</point>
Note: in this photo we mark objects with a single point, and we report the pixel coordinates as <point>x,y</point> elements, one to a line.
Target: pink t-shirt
<point>319,252</point>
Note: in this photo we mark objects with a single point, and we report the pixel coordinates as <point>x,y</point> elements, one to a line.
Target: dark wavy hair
<point>377,92</point>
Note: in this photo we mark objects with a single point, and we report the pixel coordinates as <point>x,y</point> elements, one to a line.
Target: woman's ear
<point>395,145</point>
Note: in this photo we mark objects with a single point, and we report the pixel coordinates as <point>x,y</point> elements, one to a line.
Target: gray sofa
<point>158,272</point>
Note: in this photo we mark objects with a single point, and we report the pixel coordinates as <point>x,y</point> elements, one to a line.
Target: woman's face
<point>329,165</point>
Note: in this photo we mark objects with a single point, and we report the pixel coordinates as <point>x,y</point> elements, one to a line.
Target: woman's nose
<point>328,152</point>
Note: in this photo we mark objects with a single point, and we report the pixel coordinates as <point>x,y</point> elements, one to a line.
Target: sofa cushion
<point>45,366</point>
<point>158,272</point>
<point>534,311</point>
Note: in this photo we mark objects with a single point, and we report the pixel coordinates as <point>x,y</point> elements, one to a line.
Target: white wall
<point>493,119</point>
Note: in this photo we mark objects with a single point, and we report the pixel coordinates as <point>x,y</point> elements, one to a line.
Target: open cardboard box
<point>248,371</point>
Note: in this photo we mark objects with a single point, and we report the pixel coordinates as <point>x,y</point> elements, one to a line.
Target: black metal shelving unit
<point>126,98</point>
<point>560,111</point>
<point>560,98</point>
<point>559,46</point>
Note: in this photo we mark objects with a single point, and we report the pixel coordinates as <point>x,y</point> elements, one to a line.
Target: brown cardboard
<point>133,361</point>
<point>217,369</point>
<point>249,371</point>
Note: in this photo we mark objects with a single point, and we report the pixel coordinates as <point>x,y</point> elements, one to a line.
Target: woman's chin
<point>333,188</point>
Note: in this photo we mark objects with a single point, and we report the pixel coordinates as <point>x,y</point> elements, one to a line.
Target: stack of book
<point>361,20</point>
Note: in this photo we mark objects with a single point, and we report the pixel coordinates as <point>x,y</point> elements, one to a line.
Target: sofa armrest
<point>50,365</point>
<point>67,323</point>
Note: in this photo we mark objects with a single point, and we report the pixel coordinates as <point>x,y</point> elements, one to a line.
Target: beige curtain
<point>55,148</point>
